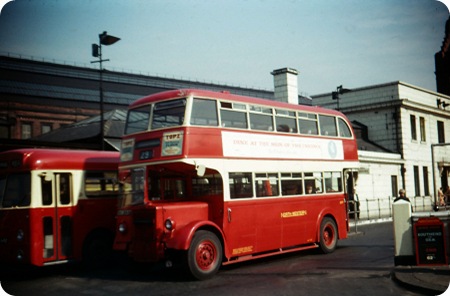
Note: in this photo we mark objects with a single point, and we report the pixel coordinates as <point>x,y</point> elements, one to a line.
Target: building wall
<point>375,188</point>
<point>43,93</point>
<point>18,114</point>
<point>381,124</point>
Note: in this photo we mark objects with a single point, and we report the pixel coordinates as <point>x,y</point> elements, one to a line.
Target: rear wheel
<point>204,256</point>
<point>328,235</point>
<point>97,250</point>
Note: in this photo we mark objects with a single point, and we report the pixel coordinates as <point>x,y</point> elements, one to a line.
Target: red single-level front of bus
<point>15,236</point>
<point>23,239</point>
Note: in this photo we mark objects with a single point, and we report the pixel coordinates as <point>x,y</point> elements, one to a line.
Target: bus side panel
<point>93,215</point>
<point>203,142</point>
<point>252,226</point>
<point>259,226</point>
<point>302,219</point>
<point>239,227</point>
<point>350,150</point>
<point>298,217</point>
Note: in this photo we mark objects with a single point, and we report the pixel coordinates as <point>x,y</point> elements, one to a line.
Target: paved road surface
<point>361,265</point>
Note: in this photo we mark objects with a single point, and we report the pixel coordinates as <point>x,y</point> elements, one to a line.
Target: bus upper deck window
<point>204,112</point>
<point>344,130</point>
<point>137,120</point>
<point>261,118</point>
<point>285,121</point>
<point>328,126</point>
<point>168,113</point>
<point>233,115</point>
<point>307,123</point>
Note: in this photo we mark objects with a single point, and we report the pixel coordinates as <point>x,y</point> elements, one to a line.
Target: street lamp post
<point>339,91</point>
<point>103,39</point>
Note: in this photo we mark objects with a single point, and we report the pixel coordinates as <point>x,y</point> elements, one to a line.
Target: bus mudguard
<point>181,238</point>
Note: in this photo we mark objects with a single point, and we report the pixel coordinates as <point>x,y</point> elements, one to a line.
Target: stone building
<point>412,126</point>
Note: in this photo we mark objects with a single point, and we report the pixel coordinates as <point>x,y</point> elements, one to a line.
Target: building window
<point>441,132</point>
<point>423,133</point>
<point>4,132</point>
<point>394,185</point>
<point>45,128</point>
<point>26,130</point>
<point>413,127</point>
<point>416,180</point>
<point>426,187</point>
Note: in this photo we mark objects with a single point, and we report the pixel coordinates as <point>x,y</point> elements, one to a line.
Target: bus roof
<point>30,158</point>
<point>224,95</point>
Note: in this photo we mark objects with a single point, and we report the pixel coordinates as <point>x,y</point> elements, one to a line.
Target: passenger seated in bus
<point>283,128</point>
<point>309,189</point>
<point>291,190</point>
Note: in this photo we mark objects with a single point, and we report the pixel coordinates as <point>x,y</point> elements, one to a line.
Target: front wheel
<point>204,256</point>
<point>328,235</point>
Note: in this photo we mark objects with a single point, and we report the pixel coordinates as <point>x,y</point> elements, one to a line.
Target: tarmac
<point>427,280</point>
<point>433,280</point>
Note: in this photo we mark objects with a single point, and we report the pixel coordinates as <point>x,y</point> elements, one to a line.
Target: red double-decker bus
<point>57,206</point>
<point>220,178</point>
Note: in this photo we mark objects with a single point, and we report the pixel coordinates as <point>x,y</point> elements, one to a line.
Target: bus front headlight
<point>122,227</point>
<point>20,235</point>
<point>19,256</point>
<point>169,224</point>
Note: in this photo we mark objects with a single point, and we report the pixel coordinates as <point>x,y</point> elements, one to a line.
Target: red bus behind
<point>57,205</point>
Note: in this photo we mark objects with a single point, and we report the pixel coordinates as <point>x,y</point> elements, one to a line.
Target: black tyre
<point>97,250</point>
<point>204,256</point>
<point>328,235</point>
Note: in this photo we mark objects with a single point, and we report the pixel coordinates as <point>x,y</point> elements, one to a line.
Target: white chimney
<point>286,85</point>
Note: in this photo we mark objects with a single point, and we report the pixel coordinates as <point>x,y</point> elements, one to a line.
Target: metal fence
<point>381,208</point>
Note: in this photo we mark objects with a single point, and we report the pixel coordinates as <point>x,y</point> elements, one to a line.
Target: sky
<point>354,43</point>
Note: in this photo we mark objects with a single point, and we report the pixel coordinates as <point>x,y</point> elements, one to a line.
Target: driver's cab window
<point>154,187</point>
<point>174,188</point>
<point>165,188</point>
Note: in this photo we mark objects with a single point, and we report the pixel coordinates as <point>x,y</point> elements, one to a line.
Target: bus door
<point>57,217</point>
<point>351,176</point>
